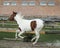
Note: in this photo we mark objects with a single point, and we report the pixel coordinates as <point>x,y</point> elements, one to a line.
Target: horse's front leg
<point>20,33</point>
<point>16,35</point>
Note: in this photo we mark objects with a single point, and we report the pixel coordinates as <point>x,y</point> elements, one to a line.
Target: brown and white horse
<point>27,25</point>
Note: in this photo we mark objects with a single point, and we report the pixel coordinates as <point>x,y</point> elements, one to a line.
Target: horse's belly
<point>27,28</point>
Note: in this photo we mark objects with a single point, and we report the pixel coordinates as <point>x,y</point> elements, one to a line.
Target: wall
<point>36,10</point>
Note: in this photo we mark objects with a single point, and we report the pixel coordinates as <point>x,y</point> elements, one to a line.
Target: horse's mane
<point>20,15</point>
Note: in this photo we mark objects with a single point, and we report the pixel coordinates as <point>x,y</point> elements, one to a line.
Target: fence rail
<point>42,32</point>
<point>12,26</point>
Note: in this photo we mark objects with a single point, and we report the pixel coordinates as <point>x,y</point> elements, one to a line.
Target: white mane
<point>20,15</point>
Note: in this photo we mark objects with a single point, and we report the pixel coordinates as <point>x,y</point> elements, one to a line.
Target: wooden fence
<point>49,28</point>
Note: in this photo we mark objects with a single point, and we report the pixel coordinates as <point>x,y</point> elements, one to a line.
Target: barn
<point>37,8</point>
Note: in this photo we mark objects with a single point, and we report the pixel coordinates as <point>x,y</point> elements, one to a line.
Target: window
<point>6,3</point>
<point>32,3</point>
<point>24,3</point>
<point>51,3</point>
<point>13,3</point>
<point>43,3</point>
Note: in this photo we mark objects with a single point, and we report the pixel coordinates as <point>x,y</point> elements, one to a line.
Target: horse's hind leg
<point>33,38</point>
<point>37,36</point>
<point>20,33</point>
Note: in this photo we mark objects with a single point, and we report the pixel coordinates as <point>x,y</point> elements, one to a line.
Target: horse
<point>35,25</point>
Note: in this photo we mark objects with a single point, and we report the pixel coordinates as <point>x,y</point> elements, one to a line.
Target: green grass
<point>43,37</point>
<point>7,35</point>
<point>49,37</point>
<point>51,28</point>
<point>10,22</point>
<point>8,26</point>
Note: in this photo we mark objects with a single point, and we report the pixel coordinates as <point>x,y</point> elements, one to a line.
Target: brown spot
<point>33,25</point>
<point>11,18</point>
<point>20,29</point>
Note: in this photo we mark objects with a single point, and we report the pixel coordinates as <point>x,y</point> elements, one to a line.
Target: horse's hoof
<point>34,43</point>
<point>22,37</point>
<point>16,38</point>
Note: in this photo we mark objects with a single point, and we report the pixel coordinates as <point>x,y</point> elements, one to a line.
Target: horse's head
<point>11,18</point>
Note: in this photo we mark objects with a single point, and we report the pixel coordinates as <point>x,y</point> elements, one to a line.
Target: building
<point>39,8</point>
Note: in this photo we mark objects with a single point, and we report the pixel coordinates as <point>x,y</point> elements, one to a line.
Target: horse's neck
<point>18,19</point>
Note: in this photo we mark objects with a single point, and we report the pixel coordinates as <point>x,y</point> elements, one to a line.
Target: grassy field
<point>43,37</point>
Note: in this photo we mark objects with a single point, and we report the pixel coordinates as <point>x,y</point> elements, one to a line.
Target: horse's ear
<point>14,12</point>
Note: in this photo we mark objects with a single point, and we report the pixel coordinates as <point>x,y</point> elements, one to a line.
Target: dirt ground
<point>19,44</point>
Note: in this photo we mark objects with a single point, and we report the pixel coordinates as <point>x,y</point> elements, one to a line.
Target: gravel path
<point>18,44</point>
